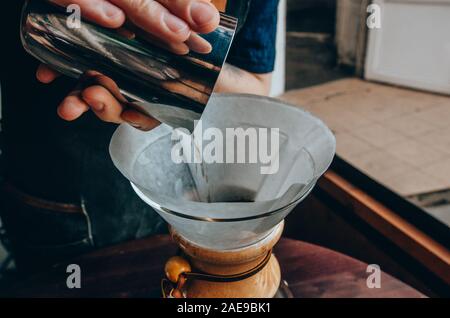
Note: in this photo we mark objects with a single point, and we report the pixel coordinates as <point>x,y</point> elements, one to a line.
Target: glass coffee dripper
<point>227,206</point>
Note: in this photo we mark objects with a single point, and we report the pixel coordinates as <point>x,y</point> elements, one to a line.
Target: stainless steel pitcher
<point>143,71</point>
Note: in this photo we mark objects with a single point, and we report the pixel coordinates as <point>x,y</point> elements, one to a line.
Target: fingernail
<point>199,45</point>
<point>134,125</point>
<point>202,13</point>
<point>110,10</point>
<point>174,23</point>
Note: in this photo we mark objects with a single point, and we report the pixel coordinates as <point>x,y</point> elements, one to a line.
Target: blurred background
<point>398,136</point>
<point>384,93</point>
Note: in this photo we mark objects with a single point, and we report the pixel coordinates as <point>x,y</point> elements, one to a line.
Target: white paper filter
<point>195,197</point>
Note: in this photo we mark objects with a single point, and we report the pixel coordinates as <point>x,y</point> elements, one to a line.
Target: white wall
<point>412,47</point>
<point>279,75</point>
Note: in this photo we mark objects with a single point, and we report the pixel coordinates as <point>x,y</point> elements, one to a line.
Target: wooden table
<point>135,269</point>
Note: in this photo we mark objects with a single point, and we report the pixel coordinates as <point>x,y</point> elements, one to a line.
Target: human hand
<point>173,23</point>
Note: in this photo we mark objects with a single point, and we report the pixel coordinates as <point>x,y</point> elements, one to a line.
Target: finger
<point>45,74</point>
<point>94,78</point>
<point>102,12</point>
<point>130,31</point>
<point>198,44</point>
<point>155,19</point>
<point>72,107</point>
<point>112,97</point>
<point>201,15</point>
<point>103,104</point>
<point>139,120</point>
<point>177,48</point>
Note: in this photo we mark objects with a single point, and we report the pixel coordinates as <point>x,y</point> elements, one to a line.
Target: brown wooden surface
<point>134,269</point>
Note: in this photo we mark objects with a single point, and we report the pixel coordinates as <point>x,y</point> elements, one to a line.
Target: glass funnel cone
<point>214,198</point>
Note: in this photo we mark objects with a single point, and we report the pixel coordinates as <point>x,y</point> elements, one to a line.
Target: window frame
<point>406,225</point>
<point>407,210</point>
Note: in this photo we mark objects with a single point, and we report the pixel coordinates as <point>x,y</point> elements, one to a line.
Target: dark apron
<point>61,195</point>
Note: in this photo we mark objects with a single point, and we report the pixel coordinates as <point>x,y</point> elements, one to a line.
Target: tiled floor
<point>399,137</point>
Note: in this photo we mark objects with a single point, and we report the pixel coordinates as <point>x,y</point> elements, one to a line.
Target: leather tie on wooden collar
<point>181,278</point>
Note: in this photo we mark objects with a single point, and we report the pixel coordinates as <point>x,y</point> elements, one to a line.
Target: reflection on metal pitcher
<point>144,71</point>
